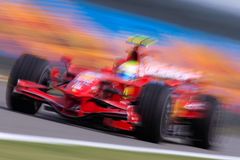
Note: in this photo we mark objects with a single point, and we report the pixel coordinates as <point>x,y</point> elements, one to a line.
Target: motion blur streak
<point>27,28</point>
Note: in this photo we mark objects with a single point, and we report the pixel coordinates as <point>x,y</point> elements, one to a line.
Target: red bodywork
<point>94,93</point>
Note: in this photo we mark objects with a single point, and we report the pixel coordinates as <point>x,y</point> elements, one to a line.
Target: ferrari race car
<point>151,107</point>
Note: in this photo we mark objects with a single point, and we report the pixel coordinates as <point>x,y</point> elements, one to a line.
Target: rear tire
<point>154,101</point>
<point>31,68</point>
<point>203,130</point>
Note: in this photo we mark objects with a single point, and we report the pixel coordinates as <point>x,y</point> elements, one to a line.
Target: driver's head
<point>128,70</point>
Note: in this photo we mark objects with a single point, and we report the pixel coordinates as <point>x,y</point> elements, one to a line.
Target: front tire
<point>154,102</point>
<point>31,68</point>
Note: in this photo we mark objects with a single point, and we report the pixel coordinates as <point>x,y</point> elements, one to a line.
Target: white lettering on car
<point>84,79</point>
<point>153,68</point>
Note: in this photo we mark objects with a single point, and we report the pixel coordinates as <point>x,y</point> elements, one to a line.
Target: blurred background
<point>195,35</point>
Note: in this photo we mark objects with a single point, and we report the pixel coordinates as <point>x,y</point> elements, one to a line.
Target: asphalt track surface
<point>50,124</point>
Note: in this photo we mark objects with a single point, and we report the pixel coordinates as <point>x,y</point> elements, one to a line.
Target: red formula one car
<point>137,99</point>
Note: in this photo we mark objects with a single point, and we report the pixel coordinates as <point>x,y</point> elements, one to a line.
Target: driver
<point>128,68</point>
